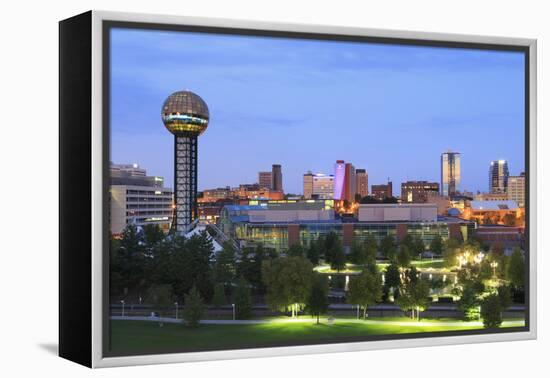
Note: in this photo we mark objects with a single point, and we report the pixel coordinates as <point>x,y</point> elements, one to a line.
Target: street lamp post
<point>176,304</point>
<point>233,305</point>
<point>122,301</point>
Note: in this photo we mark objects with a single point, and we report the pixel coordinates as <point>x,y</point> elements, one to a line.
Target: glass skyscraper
<point>450,173</point>
<point>498,176</point>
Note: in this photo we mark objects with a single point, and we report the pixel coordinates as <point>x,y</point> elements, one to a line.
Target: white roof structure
<point>197,230</point>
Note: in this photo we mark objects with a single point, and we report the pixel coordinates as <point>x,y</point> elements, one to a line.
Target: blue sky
<point>390,109</point>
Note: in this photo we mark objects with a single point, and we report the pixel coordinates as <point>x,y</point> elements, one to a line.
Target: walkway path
<point>422,323</point>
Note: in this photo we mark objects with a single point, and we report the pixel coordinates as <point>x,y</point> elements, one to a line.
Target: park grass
<point>132,336</point>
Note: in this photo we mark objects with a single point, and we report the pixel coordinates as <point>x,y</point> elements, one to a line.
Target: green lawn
<point>131,336</point>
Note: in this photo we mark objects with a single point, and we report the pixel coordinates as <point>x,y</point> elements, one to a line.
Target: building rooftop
<point>494,205</point>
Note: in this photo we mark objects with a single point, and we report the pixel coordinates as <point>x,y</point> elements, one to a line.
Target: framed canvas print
<point>233,189</point>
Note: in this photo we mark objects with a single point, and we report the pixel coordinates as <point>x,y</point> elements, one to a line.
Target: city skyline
<point>462,99</point>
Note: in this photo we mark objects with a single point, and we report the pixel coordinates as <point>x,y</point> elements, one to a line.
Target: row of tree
<point>329,248</point>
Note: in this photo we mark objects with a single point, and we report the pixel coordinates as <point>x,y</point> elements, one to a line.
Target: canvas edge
<point>97,192</point>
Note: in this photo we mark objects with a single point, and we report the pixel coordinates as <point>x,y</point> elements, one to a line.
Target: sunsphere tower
<point>186,116</point>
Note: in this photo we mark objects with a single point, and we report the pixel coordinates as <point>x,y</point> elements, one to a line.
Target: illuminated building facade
<point>516,189</point>
<point>308,185</point>
<point>362,182</point>
<point>213,195</point>
<point>382,191</point>
<point>350,183</point>
<point>318,186</point>
<point>498,176</point>
<point>418,191</point>
<point>265,179</point>
<point>186,116</point>
<point>491,197</point>
<point>339,180</point>
<point>495,213</point>
<point>136,198</point>
<point>345,185</point>
<point>450,173</point>
<point>249,227</point>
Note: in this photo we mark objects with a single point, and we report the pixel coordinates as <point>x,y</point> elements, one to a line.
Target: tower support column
<point>185,183</point>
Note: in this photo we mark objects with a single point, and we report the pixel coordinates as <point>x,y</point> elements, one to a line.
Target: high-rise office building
<point>132,174</point>
<point>516,189</point>
<point>126,170</point>
<point>276,178</point>
<point>308,185</point>
<point>362,180</point>
<point>186,116</point>
<point>498,176</point>
<point>345,185</point>
<point>339,179</point>
<point>450,173</point>
<point>350,183</point>
<point>318,186</point>
<point>418,191</point>
<point>264,179</point>
<point>136,198</point>
<point>382,191</point>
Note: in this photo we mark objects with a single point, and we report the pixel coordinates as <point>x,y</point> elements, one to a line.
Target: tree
<point>491,311</point>
<point>194,307</point>
<point>184,263</point>
<point>369,200</point>
<point>505,295</point>
<point>371,247</point>
<point>468,303</point>
<point>313,252</point>
<point>364,253</point>
<point>225,266</point>
<point>152,234</point>
<point>365,290</point>
<point>392,277</point>
<point>161,297</point>
<point>243,302</point>
<point>295,250</point>
<point>418,246</point>
<point>408,241</point>
<point>450,253</point>
<point>388,247</point>
<point>436,245</point>
<point>338,257</point>
<point>403,257</point>
<point>390,200</point>
<point>317,302</point>
<point>333,251</point>
<point>218,299</point>
<point>515,271</point>
<point>414,296</point>
<point>250,266</point>
<point>128,262</point>
<point>288,282</point>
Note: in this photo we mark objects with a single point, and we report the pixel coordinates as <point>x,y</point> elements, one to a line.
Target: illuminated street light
<point>478,258</point>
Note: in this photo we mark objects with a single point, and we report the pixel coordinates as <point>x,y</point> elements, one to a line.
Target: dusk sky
<point>390,109</point>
